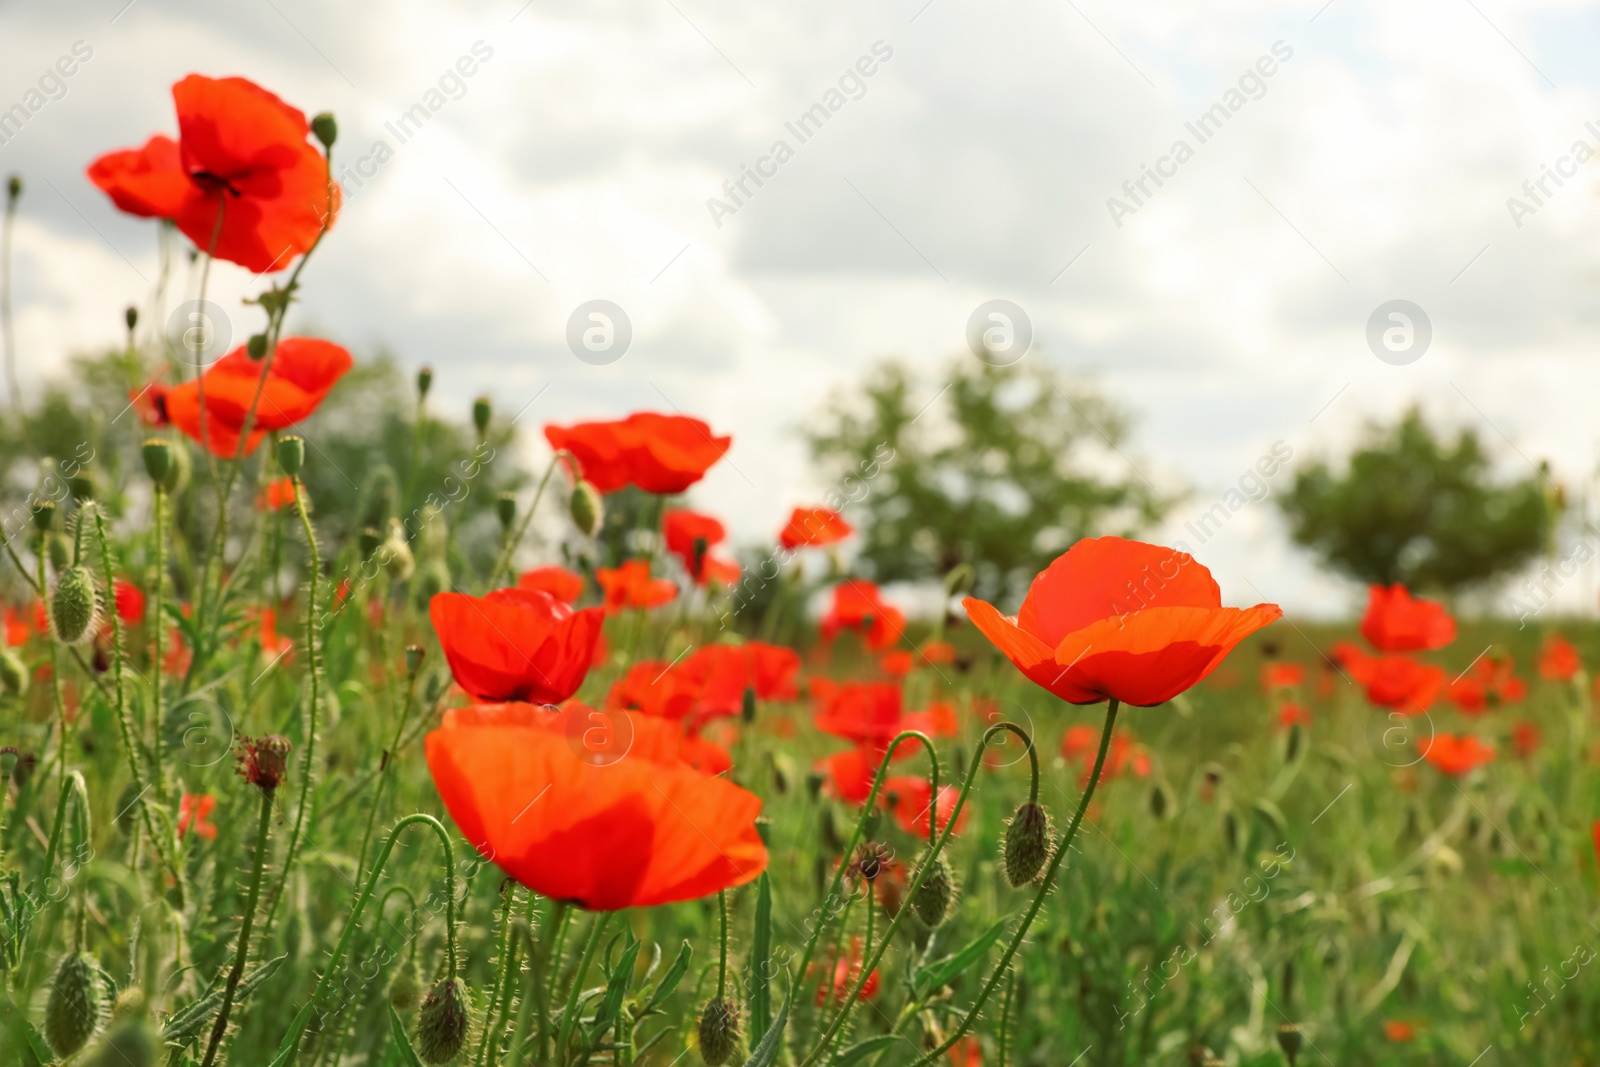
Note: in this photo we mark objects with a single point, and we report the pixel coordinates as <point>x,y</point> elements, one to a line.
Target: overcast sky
<point>1226,311</point>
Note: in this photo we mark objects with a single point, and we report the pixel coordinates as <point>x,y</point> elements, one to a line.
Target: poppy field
<point>543,771</point>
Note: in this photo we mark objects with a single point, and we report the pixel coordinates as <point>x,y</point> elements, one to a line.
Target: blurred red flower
<point>859,605</point>
<point>17,629</point>
<point>630,586</point>
<point>278,493</point>
<point>814,527</point>
<point>559,582</point>
<point>1397,622</point>
<point>1558,660</point>
<point>193,811</point>
<point>909,798</point>
<point>302,373</point>
<point>129,599</point>
<point>515,644</point>
<point>658,453</point>
<point>241,180</point>
<point>1396,1030</point>
<point>272,646</point>
<point>1291,713</point>
<point>1397,682</point>
<point>690,536</point>
<point>1282,676</point>
<point>896,662</point>
<point>721,675</point>
<point>1525,738</point>
<point>655,688</point>
<point>939,653</point>
<point>1112,618</point>
<point>1456,756</point>
<point>840,977</point>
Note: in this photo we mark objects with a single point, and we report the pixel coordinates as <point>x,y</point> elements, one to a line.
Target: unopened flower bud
<point>405,991</point>
<point>1158,801</point>
<point>325,128</point>
<point>719,1031</point>
<point>291,454</point>
<point>13,674</point>
<point>82,486</point>
<point>131,1042</point>
<point>505,506</point>
<point>443,1022</point>
<point>932,899</point>
<point>872,859</point>
<point>424,381</point>
<point>13,187</point>
<point>130,1003</point>
<point>587,508</point>
<point>256,347</point>
<point>76,1004</point>
<point>131,316</point>
<point>157,460</point>
<point>747,705</point>
<point>414,654</point>
<point>395,555</point>
<point>44,514</point>
<point>369,539</point>
<point>1027,843</point>
<point>1289,1040</point>
<point>480,414</point>
<point>74,606</point>
<point>60,551</point>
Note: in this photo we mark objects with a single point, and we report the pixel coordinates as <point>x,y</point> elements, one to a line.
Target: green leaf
<point>761,962</point>
<point>291,1041</point>
<point>765,1054</point>
<point>670,980</point>
<point>942,972</point>
<point>611,1004</point>
<point>863,1049</point>
<point>397,1029</point>
<point>185,1025</point>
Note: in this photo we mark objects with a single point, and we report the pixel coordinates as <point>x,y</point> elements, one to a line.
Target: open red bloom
<point>690,536</point>
<point>858,605</point>
<point>657,453</point>
<point>1081,744</point>
<point>723,673</point>
<point>1489,682</point>
<point>630,586</point>
<point>278,493</point>
<point>814,527</point>
<point>639,830</point>
<point>841,976</point>
<point>17,629</point>
<point>241,179</point>
<point>1525,738</point>
<point>1292,714</point>
<point>1397,682</point>
<point>1282,676</point>
<point>515,644</point>
<point>1558,660</point>
<point>1397,622</point>
<point>1456,756</point>
<point>655,688</point>
<point>909,798</point>
<point>867,713</point>
<point>193,812</point>
<point>129,600</point>
<point>1119,619</point>
<point>303,372</point>
<point>559,582</point>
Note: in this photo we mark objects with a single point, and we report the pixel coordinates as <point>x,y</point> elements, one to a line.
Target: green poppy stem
<point>220,1027</point>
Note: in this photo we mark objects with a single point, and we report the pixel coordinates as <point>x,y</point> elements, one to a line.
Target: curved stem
<point>389,756</point>
<point>570,1015</point>
<point>1044,888</point>
<point>220,1027</point>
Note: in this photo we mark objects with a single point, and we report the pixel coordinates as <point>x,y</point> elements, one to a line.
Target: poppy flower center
<point>213,183</point>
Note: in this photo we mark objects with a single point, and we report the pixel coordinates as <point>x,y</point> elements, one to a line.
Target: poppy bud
<point>747,707</point>
<point>22,770</point>
<point>13,187</point>
<point>1290,1040</point>
<point>1291,748</point>
<point>13,675</point>
<point>325,129</point>
<point>405,991</point>
<point>1158,802</point>
<point>263,762</point>
<point>82,486</point>
<point>157,460</point>
<point>432,579</point>
<point>292,455</point>
<point>1027,843</point>
<point>932,899</point>
<point>131,317</point>
<point>44,514</point>
<point>719,1031</point>
<point>480,414</point>
<point>129,1043</point>
<point>130,1003</point>
<point>414,654</point>
<point>256,347</point>
<point>77,1000</point>
<point>505,506</point>
<point>75,605</point>
<point>1230,831</point>
<point>587,508</point>
<point>814,782</point>
<point>398,562</point>
<point>369,540</point>
<point>424,381</point>
<point>442,1026</point>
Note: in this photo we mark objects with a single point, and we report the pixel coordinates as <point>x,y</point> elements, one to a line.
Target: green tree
<point>1415,508</point>
<point>1002,470</point>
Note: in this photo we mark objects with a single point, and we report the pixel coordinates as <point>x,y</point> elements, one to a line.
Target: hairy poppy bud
<point>369,539</point>
<point>131,1042</point>
<point>292,454</point>
<point>1027,843</point>
<point>398,562</point>
<point>131,317</point>
<point>263,762</point>
<point>74,605</point>
<point>932,899</point>
<point>414,654</point>
<point>442,1026</point>
<point>256,347</point>
<point>77,1000</point>
<point>424,380</point>
<point>587,508</point>
<point>13,187</point>
<point>1158,801</point>
<point>13,674</point>
<point>44,514</point>
<point>325,128</point>
<point>405,990</point>
<point>719,1031</point>
<point>1290,1039</point>
<point>157,460</point>
<point>505,506</point>
<point>480,414</point>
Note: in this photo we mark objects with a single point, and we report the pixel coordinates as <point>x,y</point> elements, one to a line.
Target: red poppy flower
<point>1292,714</point>
<point>840,977</point>
<point>17,629</point>
<point>858,605</point>
<point>909,798</point>
<point>559,582</point>
<point>897,662</point>
<point>655,688</point>
<point>1079,740</point>
<point>814,527</point>
<point>867,713</point>
<point>272,646</point>
<point>1282,676</point>
<point>705,755</point>
<point>1397,622</point>
<point>850,773</point>
<point>1525,739</point>
<point>1456,756</point>
<point>968,1052</point>
<point>515,644</point>
<point>938,719</point>
<point>939,653</point>
<point>1396,1030</point>
<point>658,453</point>
<point>1558,661</point>
<point>1397,682</point>
<point>690,536</point>
<point>637,831</point>
<point>723,673</point>
<point>1489,682</point>
<point>1120,619</point>
<point>241,153</point>
<point>193,811</point>
<point>150,403</point>
<point>129,599</point>
<point>278,493</point>
<point>303,372</point>
<point>1081,744</point>
<point>630,586</point>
